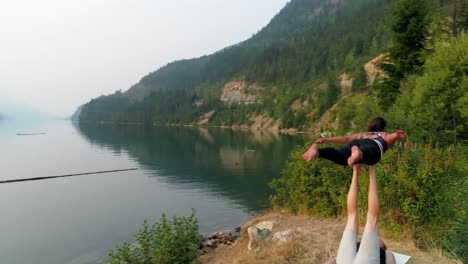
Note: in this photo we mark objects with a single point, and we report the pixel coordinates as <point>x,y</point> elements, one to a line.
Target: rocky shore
<point>211,241</point>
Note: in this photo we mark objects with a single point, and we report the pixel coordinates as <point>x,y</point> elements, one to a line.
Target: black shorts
<point>370,152</point>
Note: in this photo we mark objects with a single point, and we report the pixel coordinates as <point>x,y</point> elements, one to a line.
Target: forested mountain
<point>289,75</point>
<point>307,41</point>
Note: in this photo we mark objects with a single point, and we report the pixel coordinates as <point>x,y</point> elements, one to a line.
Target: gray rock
<point>284,236</point>
<point>258,237</point>
<point>267,225</point>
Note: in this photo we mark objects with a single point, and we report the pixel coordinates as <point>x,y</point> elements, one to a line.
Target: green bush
<point>166,241</point>
<point>318,187</point>
<point>421,189</point>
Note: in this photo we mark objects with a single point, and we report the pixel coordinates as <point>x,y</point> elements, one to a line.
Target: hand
<point>401,133</point>
<point>321,140</point>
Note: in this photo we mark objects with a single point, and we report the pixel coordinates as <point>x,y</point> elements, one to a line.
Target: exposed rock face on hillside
<point>372,70</point>
<point>298,104</point>
<point>204,119</point>
<point>239,91</point>
<point>346,84</point>
<point>263,122</point>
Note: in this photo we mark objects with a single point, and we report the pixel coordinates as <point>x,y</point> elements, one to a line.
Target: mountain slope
<point>297,56</point>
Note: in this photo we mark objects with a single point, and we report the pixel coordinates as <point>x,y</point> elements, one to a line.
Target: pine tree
<point>409,35</point>
<point>409,31</point>
<point>460,16</point>
<point>440,103</point>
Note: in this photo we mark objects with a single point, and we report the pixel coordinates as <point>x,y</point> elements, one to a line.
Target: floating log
<point>63,176</point>
<point>29,134</point>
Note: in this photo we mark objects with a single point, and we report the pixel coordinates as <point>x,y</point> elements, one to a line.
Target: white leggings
<point>369,251</point>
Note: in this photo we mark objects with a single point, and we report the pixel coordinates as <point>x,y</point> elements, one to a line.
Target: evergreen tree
<point>409,32</point>
<point>440,103</point>
<point>460,16</point>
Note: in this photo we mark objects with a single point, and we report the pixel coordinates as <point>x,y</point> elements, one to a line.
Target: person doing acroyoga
<point>367,147</point>
<point>370,250</point>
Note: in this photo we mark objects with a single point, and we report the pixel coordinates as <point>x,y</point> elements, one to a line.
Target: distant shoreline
<point>289,131</point>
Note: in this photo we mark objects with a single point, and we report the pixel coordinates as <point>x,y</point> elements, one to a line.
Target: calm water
<point>222,174</point>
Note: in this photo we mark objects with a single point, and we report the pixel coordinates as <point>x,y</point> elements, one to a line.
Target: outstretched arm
<point>390,139</point>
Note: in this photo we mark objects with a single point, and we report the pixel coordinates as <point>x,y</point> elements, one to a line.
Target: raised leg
<point>352,201</point>
<point>348,247</point>
<point>369,249</point>
<point>373,202</point>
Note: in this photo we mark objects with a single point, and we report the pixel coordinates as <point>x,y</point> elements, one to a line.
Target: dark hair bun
<point>377,124</point>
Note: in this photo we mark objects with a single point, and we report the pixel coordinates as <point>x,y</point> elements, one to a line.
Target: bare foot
<point>312,153</point>
<point>356,155</point>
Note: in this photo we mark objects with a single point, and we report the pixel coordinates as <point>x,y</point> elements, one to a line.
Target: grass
<point>317,243</point>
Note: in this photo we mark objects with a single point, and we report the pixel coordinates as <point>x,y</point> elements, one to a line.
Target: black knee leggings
<point>370,152</point>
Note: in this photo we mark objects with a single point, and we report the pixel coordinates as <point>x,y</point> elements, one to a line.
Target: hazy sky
<point>58,54</point>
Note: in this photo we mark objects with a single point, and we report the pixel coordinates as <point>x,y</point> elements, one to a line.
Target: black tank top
<point>379,140</point>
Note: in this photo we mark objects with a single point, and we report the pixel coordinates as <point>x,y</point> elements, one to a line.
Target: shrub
<point>318,187</point>
<point>424,189</point>
<point>166,241</point>
<point>421,188</point>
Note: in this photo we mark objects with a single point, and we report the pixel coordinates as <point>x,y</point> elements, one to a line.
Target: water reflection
<point>236,164</point>
<point>221,173</point>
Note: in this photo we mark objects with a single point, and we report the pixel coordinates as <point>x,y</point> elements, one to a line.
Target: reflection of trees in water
<point>265,137</point>
<point>204,133</point>
<point>210,158</point>
<point>238,161</point>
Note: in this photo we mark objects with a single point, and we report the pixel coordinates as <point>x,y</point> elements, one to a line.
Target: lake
<point>222,174</point>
